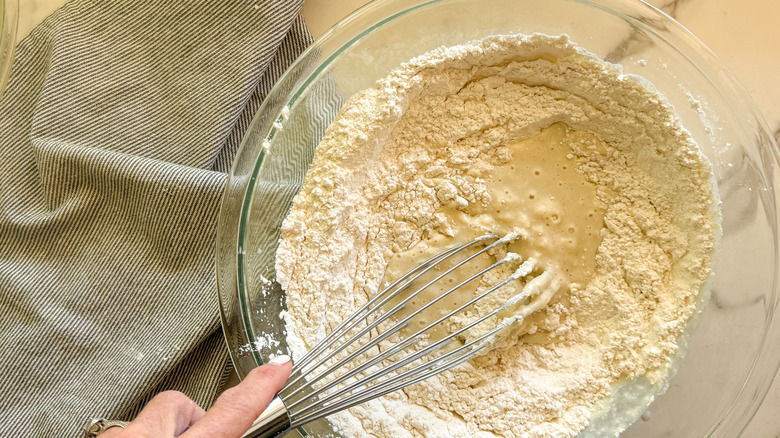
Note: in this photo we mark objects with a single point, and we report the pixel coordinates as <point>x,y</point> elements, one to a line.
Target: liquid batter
<point>535,191</point>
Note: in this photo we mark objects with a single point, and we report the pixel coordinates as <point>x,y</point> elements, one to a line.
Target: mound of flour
<point>402,157</point>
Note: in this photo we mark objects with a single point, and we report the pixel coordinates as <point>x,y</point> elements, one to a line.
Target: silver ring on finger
<point>93,427</point>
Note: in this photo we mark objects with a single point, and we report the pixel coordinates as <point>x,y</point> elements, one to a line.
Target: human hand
<point>173,414</point>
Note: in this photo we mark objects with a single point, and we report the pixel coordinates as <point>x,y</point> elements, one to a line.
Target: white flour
<point>413,162</point>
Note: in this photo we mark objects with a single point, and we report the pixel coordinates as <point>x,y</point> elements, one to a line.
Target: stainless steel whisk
<point>302,400</point>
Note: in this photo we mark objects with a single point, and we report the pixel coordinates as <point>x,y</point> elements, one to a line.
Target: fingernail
<point>279,360</point>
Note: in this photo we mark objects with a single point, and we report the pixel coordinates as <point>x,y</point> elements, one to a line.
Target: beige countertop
<point>743,33</point>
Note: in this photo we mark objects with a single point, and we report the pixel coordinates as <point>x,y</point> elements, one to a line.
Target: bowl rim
<point>9,20</point>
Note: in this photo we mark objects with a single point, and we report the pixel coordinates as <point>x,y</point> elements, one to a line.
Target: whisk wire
<point>396,327</point>
<point>388,293</point>
<point>317,388</point>
<point>349,323</point>
<point>416,355</point>
<point>419,373</point>
<point>399,381</point>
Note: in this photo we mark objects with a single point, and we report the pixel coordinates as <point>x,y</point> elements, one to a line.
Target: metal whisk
<point>316,389</point>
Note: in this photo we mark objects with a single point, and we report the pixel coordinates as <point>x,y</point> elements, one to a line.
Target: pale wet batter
<point>534,190</point>
<point>511,134</point>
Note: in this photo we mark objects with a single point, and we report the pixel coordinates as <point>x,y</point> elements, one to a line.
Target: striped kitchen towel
<point>118,124</point>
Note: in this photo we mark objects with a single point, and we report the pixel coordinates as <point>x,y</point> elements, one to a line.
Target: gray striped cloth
<point>117,127</point>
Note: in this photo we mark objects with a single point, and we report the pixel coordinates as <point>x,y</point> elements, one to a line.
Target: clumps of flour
<point>400,156</point>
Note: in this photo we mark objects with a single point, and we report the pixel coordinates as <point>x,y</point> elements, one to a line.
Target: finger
<point>168,414</point>
<point>238,407</point>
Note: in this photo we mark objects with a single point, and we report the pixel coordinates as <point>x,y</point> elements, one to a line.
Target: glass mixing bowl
<point>732,355</point>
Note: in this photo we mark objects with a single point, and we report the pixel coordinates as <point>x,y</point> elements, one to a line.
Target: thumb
<point>237,408</point>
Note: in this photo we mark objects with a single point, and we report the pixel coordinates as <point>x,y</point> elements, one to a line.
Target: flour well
<point>508,133</point>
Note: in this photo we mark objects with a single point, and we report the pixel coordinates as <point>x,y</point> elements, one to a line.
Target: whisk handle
<point>273,422</point>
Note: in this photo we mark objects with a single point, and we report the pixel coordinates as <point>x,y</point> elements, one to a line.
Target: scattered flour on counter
<point>423,160</point>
